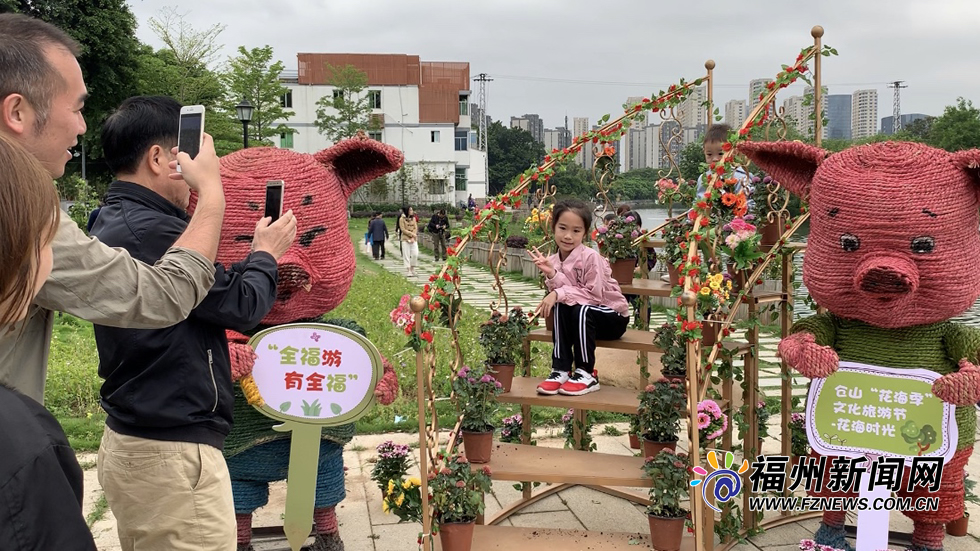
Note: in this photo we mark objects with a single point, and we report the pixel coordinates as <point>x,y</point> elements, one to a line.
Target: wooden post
<point>710,66</point>
<point>702,541</point>
<point>817,33</point>
<point>418,305</point>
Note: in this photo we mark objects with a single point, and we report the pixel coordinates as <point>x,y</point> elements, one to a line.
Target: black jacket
<point>40,481</point>
<point>175,383</point>
<point>436,221</point>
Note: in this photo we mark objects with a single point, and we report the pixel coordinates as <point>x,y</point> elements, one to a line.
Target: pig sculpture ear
<point>968,160</point>
<point>359,160</point>
<point>792,164</point>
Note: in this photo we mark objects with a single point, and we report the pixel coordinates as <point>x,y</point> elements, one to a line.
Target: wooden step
<point>513,538</point>
<point>647,288</point>
<point>768,297</point>
<point>608,398</point>
<point>541,464</point>
<point>634,339</point>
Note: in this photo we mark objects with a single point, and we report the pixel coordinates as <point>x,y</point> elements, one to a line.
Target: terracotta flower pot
<point>456,536</point>
<point>634,442</point>
<point>709,334</point>
<point>771,232</point>
<point>622,270</point>
<point>478,445</point>
<point>675,275</point>
<point>679,379</point>
<point>959,527</point>
<point>666,533</point>
<point>651,448</point>
<point>504,373</point>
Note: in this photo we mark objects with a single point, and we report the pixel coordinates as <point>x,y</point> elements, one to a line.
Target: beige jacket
<point>409,227</point>
<point>105,286</point>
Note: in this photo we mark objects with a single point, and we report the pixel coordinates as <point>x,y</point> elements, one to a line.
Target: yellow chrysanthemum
<point>705,291</point>
<point>713,285</point>
<point>391,486</point>
<point>716,279</point>
<point>385,507</point>
<point>400,500</point>
<point>728,284</point>
<point>413,481</point>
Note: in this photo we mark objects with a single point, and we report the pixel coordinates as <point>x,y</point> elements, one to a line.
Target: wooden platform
<point>608,398</point>
<point>647,288</point>
<point>512,538</point>
<point>522,463</point>
<point>634,339</point>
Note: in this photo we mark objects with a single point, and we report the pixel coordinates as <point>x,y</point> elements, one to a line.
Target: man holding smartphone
<point>41,98</point>
<point>168,392</point>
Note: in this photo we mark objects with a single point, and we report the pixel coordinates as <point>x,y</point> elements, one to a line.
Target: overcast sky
<point>584,58</point>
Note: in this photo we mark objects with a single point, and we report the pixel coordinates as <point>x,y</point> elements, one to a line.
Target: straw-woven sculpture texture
<point>893,255</point>
<point>315,275</point>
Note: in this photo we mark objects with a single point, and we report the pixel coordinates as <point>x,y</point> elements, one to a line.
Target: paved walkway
<point>365,527</point>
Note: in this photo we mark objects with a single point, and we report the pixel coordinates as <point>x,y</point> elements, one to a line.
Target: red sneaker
<point>580,382</point>
<point>553,383</point>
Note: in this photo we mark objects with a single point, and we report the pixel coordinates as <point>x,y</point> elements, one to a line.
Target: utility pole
<point>483,79</point>
<point>897,105</point>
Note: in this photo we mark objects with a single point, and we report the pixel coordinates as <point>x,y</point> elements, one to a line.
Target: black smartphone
<point>273,199</point>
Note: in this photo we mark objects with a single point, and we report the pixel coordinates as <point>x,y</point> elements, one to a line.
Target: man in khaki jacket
<point>41,98</point>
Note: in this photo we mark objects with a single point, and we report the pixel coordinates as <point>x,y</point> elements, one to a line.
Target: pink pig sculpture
<point>893,254</point>
<point>315,275</point>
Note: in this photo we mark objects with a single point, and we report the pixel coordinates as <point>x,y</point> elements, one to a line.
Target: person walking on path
<point>378,231</point>
<point>409,227</point>
<point>439,228</point>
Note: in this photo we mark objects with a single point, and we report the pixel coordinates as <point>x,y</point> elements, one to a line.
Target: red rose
<point>426,336</point>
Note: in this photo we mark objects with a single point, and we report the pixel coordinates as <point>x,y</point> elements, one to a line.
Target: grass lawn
<point>72,391</point>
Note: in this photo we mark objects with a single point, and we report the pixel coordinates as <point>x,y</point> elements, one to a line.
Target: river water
<point>654,217</point>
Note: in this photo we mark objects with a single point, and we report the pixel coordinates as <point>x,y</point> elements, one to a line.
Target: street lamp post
<point>244,110</point>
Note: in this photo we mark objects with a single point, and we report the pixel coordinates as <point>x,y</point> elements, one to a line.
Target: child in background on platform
<point>586,301</point>
<point>714,141</point>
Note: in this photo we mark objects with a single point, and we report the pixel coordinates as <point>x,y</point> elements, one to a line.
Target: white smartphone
<point>190,134</point>
<point>273,198</point>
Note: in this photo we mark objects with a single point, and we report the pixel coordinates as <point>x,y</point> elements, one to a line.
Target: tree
<point>637,185</point>
<point>253,76</point>
<point>510,151</point>
<point>181,70</point>
<point>957,128</point>
<point>919,129</point>
<point>353,111</point>
<point>690,160</point>
<point>572,180</point>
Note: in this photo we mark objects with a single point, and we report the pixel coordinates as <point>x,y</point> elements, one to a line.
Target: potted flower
<point>615,241</point>
<point>674,356</point>
<point>800,445</point>
<point>392,464</point>
<point>675,247</point>
<point>403,497</point>
<point>670,475</point>
<point>712,422</point>
<point>502,337</point>
<point>712,296</point>
<point>634,432</point>
<point>511,430</point>
<point>741,243</point>
<point>476,399</point>
<point>456,492</point>
<point>660,415</point>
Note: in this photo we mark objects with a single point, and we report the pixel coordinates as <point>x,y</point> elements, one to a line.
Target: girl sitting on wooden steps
<point>587,302</point>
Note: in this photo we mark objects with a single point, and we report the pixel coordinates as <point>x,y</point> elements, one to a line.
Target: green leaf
<point>335,408</point>
<point>284,407</point>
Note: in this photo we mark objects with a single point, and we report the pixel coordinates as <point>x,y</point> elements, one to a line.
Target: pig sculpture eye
<point>849,242</point>
<point>923,244</point>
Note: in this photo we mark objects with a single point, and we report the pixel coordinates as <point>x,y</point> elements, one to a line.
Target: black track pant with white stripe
<point>577,328</point>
